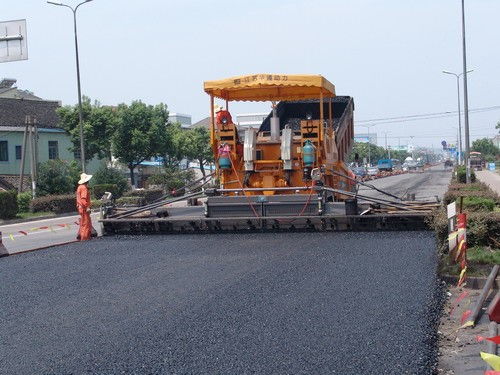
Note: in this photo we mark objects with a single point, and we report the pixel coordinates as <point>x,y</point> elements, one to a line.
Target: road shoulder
<point>490,178</point>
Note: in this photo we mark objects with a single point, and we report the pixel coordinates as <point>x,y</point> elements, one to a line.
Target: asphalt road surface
<point>40,233</point>
<point>425,185</point>
<point>296,303</point>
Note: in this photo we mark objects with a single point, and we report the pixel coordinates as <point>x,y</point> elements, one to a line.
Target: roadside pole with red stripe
<point>3,250</point>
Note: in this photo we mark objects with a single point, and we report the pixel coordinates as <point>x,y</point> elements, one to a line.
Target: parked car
<point>359,171</point>
<point>372,171</point>
<point>384,165</point>
<point>396,164</point>
<point>410,165</point>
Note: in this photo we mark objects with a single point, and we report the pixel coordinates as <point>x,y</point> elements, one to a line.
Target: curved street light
<point>457,76</point>
<point>80,109</point>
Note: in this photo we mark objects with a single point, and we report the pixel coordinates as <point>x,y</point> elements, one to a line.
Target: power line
<point>426,116</point>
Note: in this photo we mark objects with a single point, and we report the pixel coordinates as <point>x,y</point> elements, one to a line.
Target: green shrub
<point>130,201</point>
<point>23,201</point>
<point>99,190</point>
<point>57,177</point>
<point>483,228</point>
<point>454,195</point>
<point>477,231</point>
<point>149,195</point>
<point>95,203</point>
<point>478,203</point>
<point>461,174</point>
<point>172,179</point>
<point>54,203</point>
<point>8,204</point>
<point>106,176</point>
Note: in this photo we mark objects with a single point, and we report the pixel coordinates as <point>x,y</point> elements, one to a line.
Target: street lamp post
<point>466,99</point>
<point>80,109</point>
<point>457,76</point>
<point>369,148</point>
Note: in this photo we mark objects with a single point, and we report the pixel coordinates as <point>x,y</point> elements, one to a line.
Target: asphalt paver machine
<point>289,174</point>
<point>273,170</point>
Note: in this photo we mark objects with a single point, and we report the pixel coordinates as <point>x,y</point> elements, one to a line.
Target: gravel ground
<point>301,303</point>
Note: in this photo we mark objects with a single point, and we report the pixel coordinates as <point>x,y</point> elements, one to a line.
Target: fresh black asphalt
<point>296,303</point>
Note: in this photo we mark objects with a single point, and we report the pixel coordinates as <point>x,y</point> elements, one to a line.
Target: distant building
<point>53,142</point>
<point>250,120</point>
<point>365,138</point>
<point>203,123</point>
<point>181,118</point>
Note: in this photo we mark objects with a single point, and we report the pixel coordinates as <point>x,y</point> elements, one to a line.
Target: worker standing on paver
<point>83,206</point>
<point>222,116</point>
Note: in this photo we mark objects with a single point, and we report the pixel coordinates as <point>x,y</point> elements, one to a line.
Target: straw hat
<point>84,178</point>
<point>217,108</point>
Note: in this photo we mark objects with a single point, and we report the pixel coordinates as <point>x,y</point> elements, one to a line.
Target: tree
<point>99,123</point>
<point>498,126</point>
<point>176,146</point>
<point>107,175</point>
<point>141,133</point>
<point>198,147</point>
<point>485,146</point>
<point>361,148</point>
<point>57,177</point>
<point>172,179</point>
<point>401,155</point>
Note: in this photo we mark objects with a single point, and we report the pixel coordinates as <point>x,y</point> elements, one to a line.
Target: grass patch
<point>29,215</point>
<point>483,255</point>
<point>472,188</point>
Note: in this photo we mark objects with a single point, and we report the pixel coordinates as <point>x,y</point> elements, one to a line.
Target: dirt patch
<point>458,347</point>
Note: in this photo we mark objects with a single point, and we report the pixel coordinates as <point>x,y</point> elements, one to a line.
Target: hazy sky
<point>387,54</point>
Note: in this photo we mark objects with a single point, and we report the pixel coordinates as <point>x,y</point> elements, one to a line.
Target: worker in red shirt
<point>222,117</point>
<point>83,206</point>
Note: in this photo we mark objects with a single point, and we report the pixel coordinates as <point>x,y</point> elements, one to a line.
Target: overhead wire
<point>424,116</point>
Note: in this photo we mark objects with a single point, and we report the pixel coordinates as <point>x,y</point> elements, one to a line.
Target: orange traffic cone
<point>3,250</point>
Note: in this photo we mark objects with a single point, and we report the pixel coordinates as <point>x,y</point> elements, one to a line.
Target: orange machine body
<point>274,158</point>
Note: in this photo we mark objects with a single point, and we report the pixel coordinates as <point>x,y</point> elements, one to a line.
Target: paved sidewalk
<point>491,179</point>
<point>31,235</point>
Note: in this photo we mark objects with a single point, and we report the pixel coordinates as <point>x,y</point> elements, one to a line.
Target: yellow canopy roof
<point>270,87</point>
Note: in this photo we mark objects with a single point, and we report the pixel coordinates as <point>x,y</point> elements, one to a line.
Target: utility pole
<point>466,99</point>
<point>23,153</point>
<point>30,139</point>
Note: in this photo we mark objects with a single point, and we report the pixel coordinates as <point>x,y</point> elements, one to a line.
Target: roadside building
<point>52,143</point>
<point>203,123</point>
